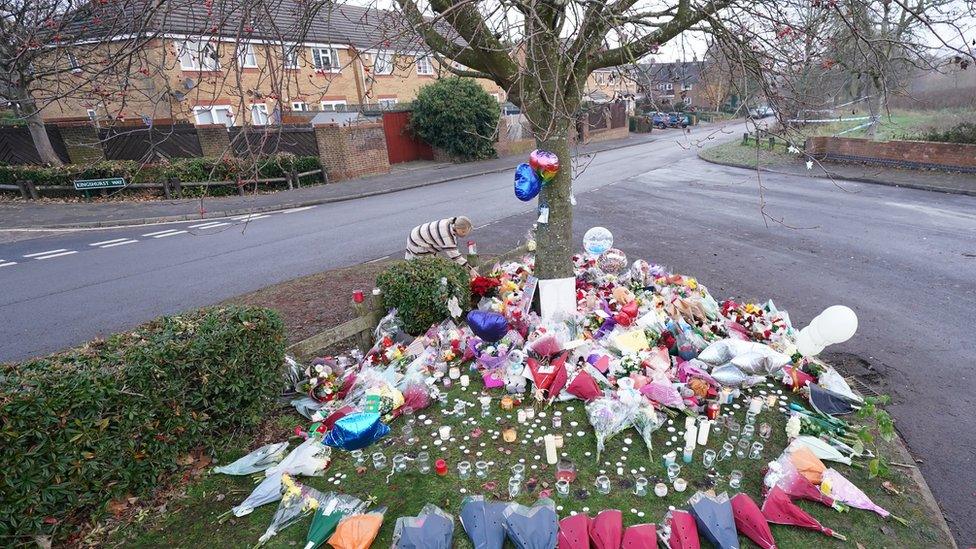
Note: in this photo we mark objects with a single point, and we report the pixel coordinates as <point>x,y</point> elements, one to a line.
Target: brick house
<point>237,72</point>
<point>667,84</point>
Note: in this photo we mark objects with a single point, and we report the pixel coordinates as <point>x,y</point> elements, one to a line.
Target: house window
<point>259,114</point>
<point>386,103</point>
<point>92,115</point>
<point>245,56</point>
<point>686,87</point>
<point>218,114</point>
<point>383,64</point>
<point>198,55</point>
<point>325,59</point>
<point>290,56</point>
<point>73,63</point>
<point>424,66</point>
<point>339,105</point>
<point>299,106</point>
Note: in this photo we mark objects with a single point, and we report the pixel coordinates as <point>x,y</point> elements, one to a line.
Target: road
<point>904,259</point>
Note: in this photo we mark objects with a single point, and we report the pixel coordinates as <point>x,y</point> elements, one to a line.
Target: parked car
<point>764,111</point>
<point>660,120</point>
<point>678,119</point>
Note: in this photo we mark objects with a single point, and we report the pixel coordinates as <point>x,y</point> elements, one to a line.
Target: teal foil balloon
<point>527,182</point>
<point>356,431</point>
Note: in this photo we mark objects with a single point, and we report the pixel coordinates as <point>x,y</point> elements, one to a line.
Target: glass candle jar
<point>562,488</point>
<point>673,471</point>
<point>726,452</point>
<point>440,467</point>
<point>603,484</point>
<point>748,431</point>
<point>399,463</point>
<point>465,381</point>
<point>464,470</point>
<point>765,431</point>
<point>712,409</point>
<point>751,418</point>
<point>735,479</point>
<point>660,489</point>
<point>530,413</point>
<point>509,434</point>
<point>669,458</point>
<point>444,432</point>
<point>708,458</point>
<point>742,449</point>
<point>518,470</point>
<point>357,456</point>
<point>514,487</point>
<point>640,487</point>
<point>566,470</point>
<point>407,431</point>
<point>423,462</point>
<point>454,373</point>
<point>680,485</point>
<point>459,407</point>
<point>507,403</point>
<point>756,451</point>
<point>557,421</point>
<point>481,469</point>
<point>379,461</point>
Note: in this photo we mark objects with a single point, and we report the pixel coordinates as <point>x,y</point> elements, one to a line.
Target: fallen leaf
<point>118,506</point>
<point>889,486</point>
<point>220,497</point>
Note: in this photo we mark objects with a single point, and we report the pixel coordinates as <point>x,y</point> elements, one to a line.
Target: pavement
<point>58,215</point>
<point>903,259</point>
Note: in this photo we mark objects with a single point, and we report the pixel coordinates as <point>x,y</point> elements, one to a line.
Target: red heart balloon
<point>630,309</point>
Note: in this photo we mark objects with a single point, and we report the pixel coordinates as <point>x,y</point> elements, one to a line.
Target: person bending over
<point>440,236</point>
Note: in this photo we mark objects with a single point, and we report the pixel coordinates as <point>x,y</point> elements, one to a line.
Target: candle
<point>509,434</point>
<point>771,401</point>
<point>669,458</point>
<point>440,467</point>
<point>507,403</point>
<point>357,296</point>
<point>377,291</point>
<point>465,381</point>
<point>688,454</point>
<point>712,409</point>
<point>551,456</point>
<point>557,421</point>
<point>755,405</point>
<point>725,396</point>
<point>454,372</point>
<point>703,430</point>
<point>445,432</point>
<point>689,422</point>
<point>530,413</point>
<point>680,485</point>
<point>559,440</point>
<point>660,489</point>
<point>521,416</point>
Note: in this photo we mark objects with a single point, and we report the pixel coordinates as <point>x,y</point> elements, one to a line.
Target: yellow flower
<point>752,308</point>
<point>691,283</point>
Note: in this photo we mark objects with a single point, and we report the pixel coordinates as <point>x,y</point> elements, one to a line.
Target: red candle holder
<point>712,409</point>
<point>357,296</point>
<point>440,467</point>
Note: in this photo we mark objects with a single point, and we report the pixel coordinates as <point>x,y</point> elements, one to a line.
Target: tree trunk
<point>555,238</point>
<point>874,107</point>
<point>39,133</point>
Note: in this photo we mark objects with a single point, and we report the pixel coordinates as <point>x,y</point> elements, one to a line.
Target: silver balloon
<point>597,240</point>
<point>612,261</point>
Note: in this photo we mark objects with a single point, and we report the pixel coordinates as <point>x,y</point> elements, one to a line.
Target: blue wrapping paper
<point>488,325</point>
<point>527,182</point>
<point>356,431</point>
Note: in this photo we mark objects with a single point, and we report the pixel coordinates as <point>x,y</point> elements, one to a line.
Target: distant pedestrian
<point>440,236</point>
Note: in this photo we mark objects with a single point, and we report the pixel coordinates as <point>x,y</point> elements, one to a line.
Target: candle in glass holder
<point>530,413</point>
<point>640,486</point>
<point>557,421</point>
<point>680,484</point>
<point>454,373</point>
<point>712,409</point>
<point>566,470</point>
<point>440,467</point>
<point>509,434</point>
<point>357,296</point>
<point>603,484</point>
<point>660,489</point>
<point>755,405</point>
<point>725,395</point>
<point>444,432</point>
<point>465,381</point>
<point>521,416</point>
<point>559,440</point>
<point>669,458</point>
<point>507,403</point>
<point>562,487</point>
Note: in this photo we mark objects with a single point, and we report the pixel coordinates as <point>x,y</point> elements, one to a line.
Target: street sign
<point>105,183</point>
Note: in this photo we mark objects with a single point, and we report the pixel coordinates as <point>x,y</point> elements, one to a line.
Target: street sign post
<point>104,183</point>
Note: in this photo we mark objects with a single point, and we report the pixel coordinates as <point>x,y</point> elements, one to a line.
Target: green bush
<point>415,289</point>
<point>111,418</point>
<point>458,116</point>
<point>962,133</point>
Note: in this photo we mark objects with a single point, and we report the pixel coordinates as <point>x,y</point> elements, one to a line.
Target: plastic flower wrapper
<point>309,459</point>
<point>432,528</point>
<point>784,475</point>
<point>609,416</point>
<point>416,394</point>
<point>267,491</point>
<point>836,486</point>
<point>695,369</point>
<point>535,527</point>
<point>358,531</point>
<point>258,460</point>
<point>832,381</point>
<point>822,449</point>
<point>664,393</point>
<point>646,421</point>
<point>297,500</point>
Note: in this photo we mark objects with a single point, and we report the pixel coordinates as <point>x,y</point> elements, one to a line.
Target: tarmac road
<point>904,259</point>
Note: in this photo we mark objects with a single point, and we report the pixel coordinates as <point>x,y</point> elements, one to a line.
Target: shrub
<point>111,418</point>
<point>458,116</point>
<point>962,133</point>
<point>415,289</point>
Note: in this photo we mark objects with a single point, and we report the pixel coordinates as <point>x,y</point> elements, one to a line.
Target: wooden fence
<point>294,139</point>
<point>150,144</point>
<point>17,145</point>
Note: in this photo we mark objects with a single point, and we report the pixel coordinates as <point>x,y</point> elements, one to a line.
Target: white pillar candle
<point>755,405</point>
<point>551,455</point>
<point>689,422</point>
<point>521,416</point>
<point>454,372</point>
<point>703,430</point>
<point>691,434</point>
<point>465,380</point>
<point>444,432</point>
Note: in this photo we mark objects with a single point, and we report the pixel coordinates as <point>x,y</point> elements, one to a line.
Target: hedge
<point>185,169</point>
<point>414,288</point>
<point>111,418</point>
<point>457,116</point>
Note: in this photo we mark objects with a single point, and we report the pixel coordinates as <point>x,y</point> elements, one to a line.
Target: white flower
<point>443,281</point>
<point>809,164</point>
<point>793,150</point>
<point>319,368</point>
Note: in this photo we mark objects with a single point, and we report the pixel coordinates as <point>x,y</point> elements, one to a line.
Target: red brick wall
<point>214,140</point>
<point>348,152</point>
<point>910,154</point>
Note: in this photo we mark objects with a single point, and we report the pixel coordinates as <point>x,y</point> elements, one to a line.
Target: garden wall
<point>899,154</point>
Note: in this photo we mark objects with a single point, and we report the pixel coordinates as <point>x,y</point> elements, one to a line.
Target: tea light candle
<point>445,432</point>
<point>509,434</point>
<point>507,403</point>
<point>660,489</point>
<point>465,381</point>
<point>680,485</point>
<point>551,456</point>
<point>703,430</point>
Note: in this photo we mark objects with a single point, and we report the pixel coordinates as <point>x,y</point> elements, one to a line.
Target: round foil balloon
<point>597,240</point>
<point>612,261</point>
<point>545,163</point>
<point>527,182</point>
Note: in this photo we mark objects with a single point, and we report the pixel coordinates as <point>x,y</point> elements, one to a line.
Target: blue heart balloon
<point>527,182</point>
<point>356,431</point>
<point>488,325</point>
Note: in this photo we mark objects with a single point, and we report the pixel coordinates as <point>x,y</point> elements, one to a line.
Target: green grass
<point>193,521</point>
<point>734,152</point>
<point>896,124</point>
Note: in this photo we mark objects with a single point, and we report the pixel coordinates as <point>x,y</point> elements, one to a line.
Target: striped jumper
<point>433,237</point>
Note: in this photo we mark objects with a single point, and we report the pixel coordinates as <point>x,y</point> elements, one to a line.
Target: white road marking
<point>123,243</point>
<point>45,253</point>
<point>57,255</point>
<point>107,242</point>
<point>169,234</point>
<point>250,217</point>
<point>206,225</point>
<point>7,263</point>
<point>378,259</point>
<point>161,232</point>
<point>294,210</point>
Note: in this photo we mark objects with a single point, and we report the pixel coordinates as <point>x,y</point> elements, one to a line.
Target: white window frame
<point>333,56</point>
<point>73,63</point>
<point>289,56</point>
<point>299,106</point>
<point>685,87</point>
<point>191,54</point>
<point>259,114</point>
<point>424,65</point>
<point>387,57</point>
<point>330,106</point>
<point>246,58</point>
<point>212,110</point>
<point>387,101</point>
<point>92,114</point>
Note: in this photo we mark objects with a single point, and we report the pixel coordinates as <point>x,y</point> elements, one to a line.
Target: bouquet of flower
<point>326,378</point>
<point>646,421</point>
<point>484,286</point>
<point>609,416</point>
